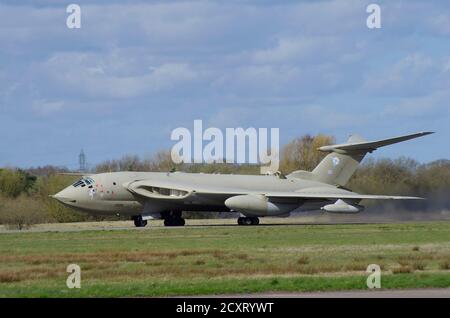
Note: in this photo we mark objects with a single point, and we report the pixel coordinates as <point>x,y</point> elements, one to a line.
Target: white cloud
<point>96,75</point>
<point>295,49</point>
<point>446,67</point>
<point>439,23</point>
<point>44,107</point>
<point>304,65</point>
<point>414,74</point>
<point>432,105</point>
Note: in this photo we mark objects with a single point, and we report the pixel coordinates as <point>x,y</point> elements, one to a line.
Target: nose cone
<point>67,196</point>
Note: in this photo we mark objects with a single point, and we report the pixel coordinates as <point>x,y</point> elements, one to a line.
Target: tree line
<point>24,193</point>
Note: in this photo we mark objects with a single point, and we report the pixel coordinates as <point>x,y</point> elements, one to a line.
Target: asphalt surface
<point>192,223</point>
<point>128,225</point>
<point>402,293</point>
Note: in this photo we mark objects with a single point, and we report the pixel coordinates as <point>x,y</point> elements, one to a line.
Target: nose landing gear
<point>248,220</point>
<point>139,221</point>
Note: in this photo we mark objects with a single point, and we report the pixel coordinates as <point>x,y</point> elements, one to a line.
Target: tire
<point>174,222</point>
<point>255,221</point>
<point>247,221</point>
<point>139,222</point>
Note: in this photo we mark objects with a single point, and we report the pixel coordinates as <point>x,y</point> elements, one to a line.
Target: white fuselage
<point>107,194</point>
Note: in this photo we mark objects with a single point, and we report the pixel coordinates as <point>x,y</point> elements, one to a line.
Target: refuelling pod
<point>258,205</point>
<point>340,206</point>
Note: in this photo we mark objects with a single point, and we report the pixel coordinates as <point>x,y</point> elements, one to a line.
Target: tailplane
<point>343,159</point>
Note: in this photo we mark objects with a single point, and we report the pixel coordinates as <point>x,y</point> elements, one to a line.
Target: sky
<point>136,70</point>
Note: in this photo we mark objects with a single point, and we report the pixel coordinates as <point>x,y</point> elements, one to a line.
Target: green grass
<point>228,259</point>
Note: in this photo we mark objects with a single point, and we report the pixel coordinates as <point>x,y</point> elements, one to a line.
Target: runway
<point>393,293</point>
<point>158,224</point>
<point>190,223</point>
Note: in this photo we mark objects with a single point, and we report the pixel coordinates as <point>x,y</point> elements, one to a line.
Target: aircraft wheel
<point>248,221</point>
<point>179,222</point>
<point>174,222</point>
<point>139,222</point>
<point>255,221</point>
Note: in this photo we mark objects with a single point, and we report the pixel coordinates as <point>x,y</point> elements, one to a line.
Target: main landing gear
<point>173,218</point>
<point>139,221</point>
<point>248,220</point>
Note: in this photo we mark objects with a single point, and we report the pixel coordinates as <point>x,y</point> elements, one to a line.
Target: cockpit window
<point>78,183</point>
<point>83,182</point>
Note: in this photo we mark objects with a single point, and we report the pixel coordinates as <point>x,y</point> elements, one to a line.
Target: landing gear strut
<point>248,220</point>
<point>139,222</point>
<point>173,218</point>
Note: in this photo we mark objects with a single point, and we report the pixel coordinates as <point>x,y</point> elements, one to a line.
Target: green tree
<point>302,154</point>
<point>15,182</point>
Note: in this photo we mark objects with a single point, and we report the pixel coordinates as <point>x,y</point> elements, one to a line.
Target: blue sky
<point>137,70</point>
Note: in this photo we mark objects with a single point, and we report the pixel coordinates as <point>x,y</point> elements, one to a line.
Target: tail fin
<point>338,166</point>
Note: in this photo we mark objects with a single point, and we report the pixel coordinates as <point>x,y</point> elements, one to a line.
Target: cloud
<point>294,49</point>
<point>104,76</point>
<point>146,67</point>
<point>431,105</point>
<point>412,75</point>
<point>46,107</point>
<point>439,24</point>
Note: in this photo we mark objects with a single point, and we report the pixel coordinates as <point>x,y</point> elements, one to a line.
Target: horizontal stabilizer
<point>369,146</point>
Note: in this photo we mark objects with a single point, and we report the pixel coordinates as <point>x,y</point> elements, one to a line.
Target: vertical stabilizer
<point>342,161</point>
<point>337,168</point>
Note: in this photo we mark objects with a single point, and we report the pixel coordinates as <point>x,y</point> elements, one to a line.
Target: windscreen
<point>86,181</point>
